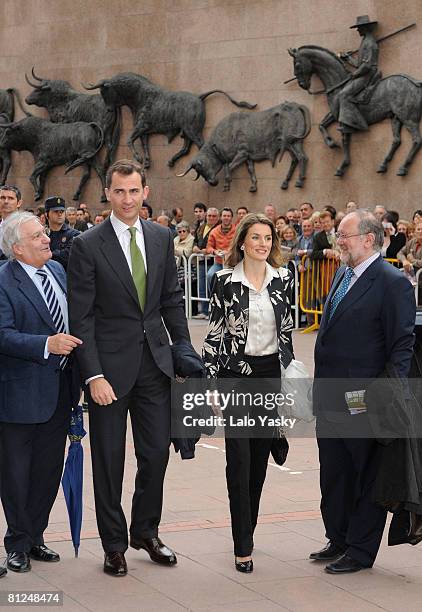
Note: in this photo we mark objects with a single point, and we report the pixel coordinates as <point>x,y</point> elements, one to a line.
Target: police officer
<point>366,66</point>
<point>61,235</point>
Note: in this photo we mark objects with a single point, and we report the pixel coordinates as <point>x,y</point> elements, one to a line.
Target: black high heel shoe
<point>246,567</point>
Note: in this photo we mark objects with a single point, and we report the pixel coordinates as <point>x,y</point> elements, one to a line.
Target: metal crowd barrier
<point>208,260</point>
<point>311,287</point>
<point>193,271</point>
<point>183,264</point>
<point>314,286</point>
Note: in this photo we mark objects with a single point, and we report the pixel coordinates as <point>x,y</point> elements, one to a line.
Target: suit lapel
<point>30,291</point>
<point>153,249</point>
<point>333,289</point>
<point>359,288</point>
<point>58,279</point>
<point>114,255</point>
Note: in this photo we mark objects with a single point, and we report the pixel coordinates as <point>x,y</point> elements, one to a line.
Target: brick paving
<point>195,523</point>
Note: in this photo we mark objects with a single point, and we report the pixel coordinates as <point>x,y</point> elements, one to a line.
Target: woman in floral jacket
<point>249,336</point>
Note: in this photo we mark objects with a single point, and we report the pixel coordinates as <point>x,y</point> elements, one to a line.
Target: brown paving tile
<point>197,542</point>
<point>192,584</point>
<point>261,605</point>
<point>287,546</point>
<point>391,557</point>
<point>265,567</point>
<point>311,594</point>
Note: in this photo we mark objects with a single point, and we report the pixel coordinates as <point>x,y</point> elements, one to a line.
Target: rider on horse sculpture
<point>365,74</point>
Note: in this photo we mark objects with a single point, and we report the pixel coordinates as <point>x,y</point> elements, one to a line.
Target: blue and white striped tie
<point>54,308</point>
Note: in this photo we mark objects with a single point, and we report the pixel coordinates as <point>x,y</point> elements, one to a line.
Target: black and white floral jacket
<point>224,345</point>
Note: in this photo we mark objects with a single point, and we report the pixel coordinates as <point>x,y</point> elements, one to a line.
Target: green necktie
<point>138,268</point>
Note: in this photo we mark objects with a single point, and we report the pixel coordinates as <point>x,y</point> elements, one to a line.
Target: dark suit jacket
<point>372,326</point>
<point>397,242</point>
<point>320,243</point>
<point>29,383</point>
<point>104,309</point>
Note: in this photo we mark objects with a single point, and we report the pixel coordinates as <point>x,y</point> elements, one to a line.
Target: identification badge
<point>355,401</point>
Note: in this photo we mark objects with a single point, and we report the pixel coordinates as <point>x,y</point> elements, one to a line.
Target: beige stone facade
<point>236,45</point>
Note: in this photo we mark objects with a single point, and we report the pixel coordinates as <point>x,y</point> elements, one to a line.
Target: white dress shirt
<point>360,269</point>
<point>262,338</point>
<point>123,236</point>
<point>60,294</point>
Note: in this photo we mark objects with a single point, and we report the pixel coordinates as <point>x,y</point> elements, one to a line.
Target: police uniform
<point>61,240</point>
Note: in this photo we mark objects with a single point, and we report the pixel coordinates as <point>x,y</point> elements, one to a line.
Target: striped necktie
<point>341,290</point>
<point>54,308</point>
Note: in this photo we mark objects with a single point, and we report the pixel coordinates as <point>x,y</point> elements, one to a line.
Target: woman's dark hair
<point>275,258</point>
<point>331,210</point>
<point>389,218</point>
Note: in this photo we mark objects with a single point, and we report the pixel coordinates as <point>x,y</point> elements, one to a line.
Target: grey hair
<point>183,225</point>
<point>10,231</point>
<point>70,209</point>
<point>369,224</point>
<point>213,209</point>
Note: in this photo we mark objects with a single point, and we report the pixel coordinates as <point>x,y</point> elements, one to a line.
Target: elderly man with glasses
<point>367,323</point>
<point>38,387</point>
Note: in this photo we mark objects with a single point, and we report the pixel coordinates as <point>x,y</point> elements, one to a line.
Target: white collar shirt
<point>123,236</point>
<point>361,268</point>
<point>262,338</point>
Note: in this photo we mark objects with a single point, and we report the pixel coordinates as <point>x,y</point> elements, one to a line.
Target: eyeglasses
<point>182,231</point>
<point>341,236</point>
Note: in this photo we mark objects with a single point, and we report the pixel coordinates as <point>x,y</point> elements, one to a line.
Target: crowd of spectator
<point>302,231</point>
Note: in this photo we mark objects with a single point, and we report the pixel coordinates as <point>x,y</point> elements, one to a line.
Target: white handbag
<point>297,384</point>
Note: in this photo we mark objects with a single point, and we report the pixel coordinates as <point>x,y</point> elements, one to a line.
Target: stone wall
<point>197,45</point>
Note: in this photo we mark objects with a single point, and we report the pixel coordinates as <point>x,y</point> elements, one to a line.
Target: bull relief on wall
<point>244,138</point>
<point>158,111</point>
<point>81,124</point>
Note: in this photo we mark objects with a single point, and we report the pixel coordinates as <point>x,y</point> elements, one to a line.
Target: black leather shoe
<point>330,552</point>
<point>246,567</point>
<point>18,562</point>
<point>42,553</point>
<point>115,564</point>
<point>157,551</point>
<point>3,572</point>
<point>344,565</point>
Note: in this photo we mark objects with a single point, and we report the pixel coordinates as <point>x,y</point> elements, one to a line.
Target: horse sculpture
<point>397,97</point>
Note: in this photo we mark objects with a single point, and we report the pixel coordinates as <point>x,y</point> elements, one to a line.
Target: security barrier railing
<point>314,285</point>
<point>197,286</point>
<point>198,266</point>
<point>311,286</point>
<point>182,275</point>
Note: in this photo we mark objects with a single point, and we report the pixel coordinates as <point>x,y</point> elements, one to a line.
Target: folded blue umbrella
<point>72,479</point>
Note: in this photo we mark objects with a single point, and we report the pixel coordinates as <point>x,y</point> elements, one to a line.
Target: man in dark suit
<point>123,295</point>
<point>36,387</point>
<point>368,321</point>
<point>324,245</point>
